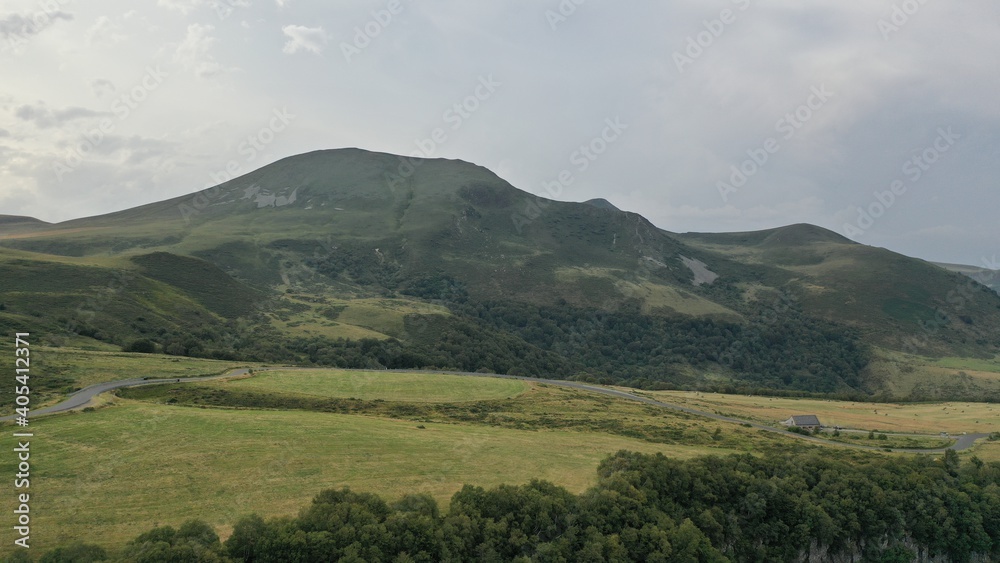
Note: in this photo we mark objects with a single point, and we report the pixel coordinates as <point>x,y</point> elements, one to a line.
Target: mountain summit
<point>349,244</point>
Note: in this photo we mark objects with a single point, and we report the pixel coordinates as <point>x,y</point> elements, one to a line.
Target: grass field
<point>538,407</point>
<point>932,379</point>
<point>970,364</point>
<point>953,417</point>
<point>374,385</point>
<point>893,441</point>
<point>131,464</point>
<point>988,451</point>
<point>111,474</point>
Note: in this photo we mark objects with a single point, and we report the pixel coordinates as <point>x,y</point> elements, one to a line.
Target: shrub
<point>76,552</point>
<point>141,346</point>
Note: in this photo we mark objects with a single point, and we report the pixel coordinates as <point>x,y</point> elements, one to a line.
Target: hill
<point>9,220</point>
<point>899,302</point>
<point>358,259</point>
<point>985,276</point>
<point>602,203</point>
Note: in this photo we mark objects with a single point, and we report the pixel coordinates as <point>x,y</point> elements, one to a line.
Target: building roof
<point>805,420</point>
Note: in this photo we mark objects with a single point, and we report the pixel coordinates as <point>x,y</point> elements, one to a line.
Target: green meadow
<point>378,385</point>
<point>117,471</point>
<point>164,454</point>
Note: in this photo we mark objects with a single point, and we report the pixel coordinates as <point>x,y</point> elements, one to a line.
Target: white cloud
<point>311,39</point>
<point>687,129</point>
<point>17,26</point>
<point>102,87</point>
<point>43,117</point>
<point>185,7</point>
<point>105,32</point>
<point>193,52</point>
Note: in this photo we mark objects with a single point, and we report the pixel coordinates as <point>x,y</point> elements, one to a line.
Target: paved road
<point>82,397</point>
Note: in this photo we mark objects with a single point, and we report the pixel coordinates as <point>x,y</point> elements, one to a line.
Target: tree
<point>195,541</point>
<point>141,346</point>
<point>951,461</point>
<point>76,552</point>
<point>249,534</point>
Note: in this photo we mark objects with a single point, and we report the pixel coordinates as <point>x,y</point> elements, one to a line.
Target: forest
<point>788,352</point>
<point>779,507</point>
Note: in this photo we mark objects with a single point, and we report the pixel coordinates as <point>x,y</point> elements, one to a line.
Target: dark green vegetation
<point>985,276</point>
<point>644,508</point>
<point>355,259</point>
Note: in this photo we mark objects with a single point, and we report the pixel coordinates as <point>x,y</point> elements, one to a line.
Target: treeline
<point>791,353</point>
<point>787,351</point>
<point>644,508</point>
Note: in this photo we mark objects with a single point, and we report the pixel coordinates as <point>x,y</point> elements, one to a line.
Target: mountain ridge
<point>351,244</point>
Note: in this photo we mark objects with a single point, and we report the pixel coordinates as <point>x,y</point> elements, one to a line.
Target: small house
<point>805,421</point>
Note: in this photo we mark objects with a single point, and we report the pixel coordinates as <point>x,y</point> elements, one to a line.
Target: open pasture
<point>924,418</point>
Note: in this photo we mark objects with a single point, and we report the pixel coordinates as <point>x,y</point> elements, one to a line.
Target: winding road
<point>82,397</point>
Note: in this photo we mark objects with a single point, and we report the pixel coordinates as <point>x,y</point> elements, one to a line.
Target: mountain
<point>354,258</point>
<point>602,203</point>
<point>899,302</point>
<point>985,276</point>
<point>14,221</point>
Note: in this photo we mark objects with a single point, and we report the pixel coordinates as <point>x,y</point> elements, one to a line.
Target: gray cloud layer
<point>737,114</point>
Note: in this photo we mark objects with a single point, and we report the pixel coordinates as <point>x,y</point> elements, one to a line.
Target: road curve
<point>82,397</point>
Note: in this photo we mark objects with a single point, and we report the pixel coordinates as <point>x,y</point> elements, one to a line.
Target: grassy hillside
<point>985,276</point>
<point>895,301</point>
<point>446,265</point>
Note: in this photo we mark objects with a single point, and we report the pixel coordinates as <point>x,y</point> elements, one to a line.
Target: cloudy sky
<point>878,119</point>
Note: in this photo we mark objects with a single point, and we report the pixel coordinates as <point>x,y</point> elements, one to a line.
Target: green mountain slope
<point>985,276</point>
<point>896,301</point>
<point>353,258</point>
